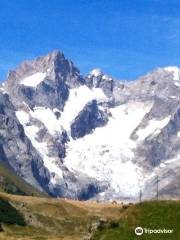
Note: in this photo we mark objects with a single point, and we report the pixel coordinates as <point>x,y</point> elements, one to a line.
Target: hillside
<point>150,215</point>
<point>47,218</point>
<point>11,183</point>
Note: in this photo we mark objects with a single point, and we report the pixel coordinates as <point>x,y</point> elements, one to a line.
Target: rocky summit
<point>91,137</point>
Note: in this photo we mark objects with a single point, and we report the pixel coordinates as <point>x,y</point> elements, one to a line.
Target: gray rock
<point>15,147</point>
<point>159,87</point>
<point>87,120</point>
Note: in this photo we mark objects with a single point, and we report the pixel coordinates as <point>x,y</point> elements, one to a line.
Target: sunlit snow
<point>22,116</point>
<point>3,90</point>
<point>33,80</point>
<point>41,147</point>
<point>153,127</point>
<point>178,134</point>
<point>107,153</point>
<point>77,100</point>
<point>174,70</point>
<point>31,132</point>
<point>96,72</point>
<point>177,84</point>
<point>48,118</point>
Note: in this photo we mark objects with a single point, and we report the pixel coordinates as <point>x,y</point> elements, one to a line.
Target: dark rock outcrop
<point>88,119</point>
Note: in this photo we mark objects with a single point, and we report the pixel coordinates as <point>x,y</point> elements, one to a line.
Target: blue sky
<point>125,38</point>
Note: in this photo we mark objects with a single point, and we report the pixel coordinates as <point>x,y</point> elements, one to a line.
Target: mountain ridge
<point>92,136</point>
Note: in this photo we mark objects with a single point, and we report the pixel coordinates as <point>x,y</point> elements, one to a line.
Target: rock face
<point>16,148</point>
<point>91,137</point>
<point>98,79</point>
<point>44,82</point>
<point>87,120</point>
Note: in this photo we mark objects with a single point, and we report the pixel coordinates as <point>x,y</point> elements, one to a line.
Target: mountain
<point>91,137</point>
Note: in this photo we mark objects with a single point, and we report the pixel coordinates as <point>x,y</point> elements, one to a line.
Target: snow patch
<point>152,128</point>
<point>96,72</point>
<point>77,100</point>
<point>48,118</point>
<point>3,90</point>
<point>22,116</point>
<point>31,132</point>
<point>177,84</point>
<point>56,110</point>
<point>33,80</point>
<point>162,165</point>
<point>106,78</point>
<point>173,160</point>
<point>41,147</point>
<point>174,70</point>
<point>178,134</point>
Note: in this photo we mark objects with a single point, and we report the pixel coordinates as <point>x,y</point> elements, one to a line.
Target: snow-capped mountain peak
<point>99,73</point>
<point>174,70</point>
<point>96,72</point>
<point>78,137</point>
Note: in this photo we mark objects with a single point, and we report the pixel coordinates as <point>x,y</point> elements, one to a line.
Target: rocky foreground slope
<point>91,136</point>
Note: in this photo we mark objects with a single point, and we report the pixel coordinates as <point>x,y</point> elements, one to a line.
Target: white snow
<point>33,80</point>
<point>173,160</point>
<point>56,110</point>
<point>77,100</point>
<point>174,70</point>
<point>31,132</point>
<point>152,128</point>
<point>162,165</point>
<point>2,90</point>
<point>106,77</point>
<point>177,84</point>
<point>22,116</point>
<point>107,153</point>
<point>96,72</point>
<point>48,118</point>
<point>178,134</point>
<point>41,147</point>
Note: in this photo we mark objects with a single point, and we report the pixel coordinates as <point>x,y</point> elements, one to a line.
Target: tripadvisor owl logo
<point>138,231</point>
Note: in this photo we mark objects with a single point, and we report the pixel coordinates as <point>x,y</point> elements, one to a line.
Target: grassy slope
<point>58,219</point>
<point>152,215</point>
<point>54,218</point>
<point>11,183</point>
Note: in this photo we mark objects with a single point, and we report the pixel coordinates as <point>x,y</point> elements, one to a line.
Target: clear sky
<point>125,38</point>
